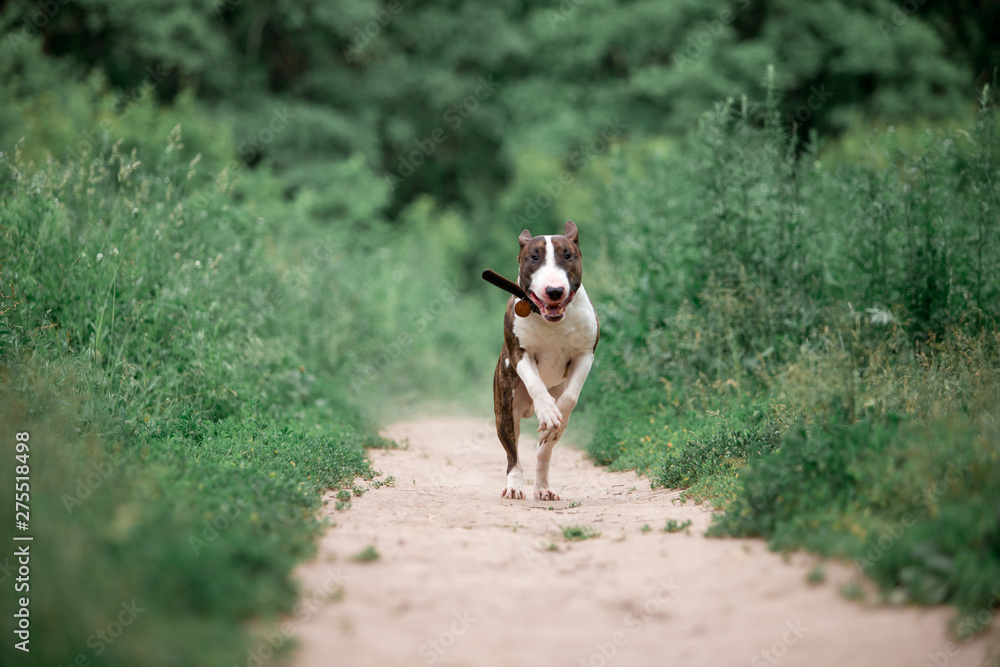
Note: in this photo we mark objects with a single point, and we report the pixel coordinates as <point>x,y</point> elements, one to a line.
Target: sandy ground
<point>468,578</point>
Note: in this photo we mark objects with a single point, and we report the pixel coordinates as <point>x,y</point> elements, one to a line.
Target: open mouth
<point>552,312</point>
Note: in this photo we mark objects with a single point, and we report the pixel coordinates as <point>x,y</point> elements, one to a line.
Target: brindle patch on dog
<point>505,381</point>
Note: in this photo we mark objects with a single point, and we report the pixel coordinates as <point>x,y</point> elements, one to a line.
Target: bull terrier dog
<point>546,355</point>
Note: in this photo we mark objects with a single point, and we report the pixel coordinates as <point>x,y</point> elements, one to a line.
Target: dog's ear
<point>572,233</point>
<point>524,238</point>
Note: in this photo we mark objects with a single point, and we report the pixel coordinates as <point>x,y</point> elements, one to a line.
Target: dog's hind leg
<point>506,386</point>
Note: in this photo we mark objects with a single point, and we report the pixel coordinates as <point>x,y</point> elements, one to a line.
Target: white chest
<point>552,345</point>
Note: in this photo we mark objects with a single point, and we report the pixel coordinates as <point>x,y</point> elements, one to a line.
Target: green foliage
<point>812,345</point>
<point>129,271</point>
<point>367,555</point>
<point>209,314</point>
<point>815,475</point>
<point>817,575</point>
<point>394,101</point>
<point>202,533</point>
<point>148,346</point>
<point>579,532</point>
<point>388,481</point>
<point>758,260</point>
<point>913,505</point>
<point>675,526</point>
<point>853,590</point>
<point>723,451</point>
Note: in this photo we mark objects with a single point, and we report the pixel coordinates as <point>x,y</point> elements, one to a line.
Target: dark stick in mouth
<point>524,308</point>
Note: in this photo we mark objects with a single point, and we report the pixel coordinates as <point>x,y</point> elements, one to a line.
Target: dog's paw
<point>512,493</point>
<point>546,494</point>
<point>549,417</point>
<point>551,435</point>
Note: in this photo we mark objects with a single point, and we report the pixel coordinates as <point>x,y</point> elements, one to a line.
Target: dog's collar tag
<point>523,307</point>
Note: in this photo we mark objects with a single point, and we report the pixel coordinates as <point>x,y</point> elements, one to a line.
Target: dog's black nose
<point>554,293</point>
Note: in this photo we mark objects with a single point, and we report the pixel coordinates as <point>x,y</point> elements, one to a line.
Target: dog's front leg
<point>567,395</point>
<point>577,374</point>
<point>549,415</point>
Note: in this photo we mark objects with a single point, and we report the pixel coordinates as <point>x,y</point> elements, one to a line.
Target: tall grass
<point>811,346</point>
<point>180,431</point>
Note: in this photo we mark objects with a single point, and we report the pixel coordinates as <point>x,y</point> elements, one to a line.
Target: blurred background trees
<point>366,84</point>
<point>430,134</point>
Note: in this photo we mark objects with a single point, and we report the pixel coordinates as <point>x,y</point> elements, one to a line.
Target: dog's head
<point>551,270</point>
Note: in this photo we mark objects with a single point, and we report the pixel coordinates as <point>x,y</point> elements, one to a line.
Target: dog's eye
<point>569,255</point>
<point>534,258</point>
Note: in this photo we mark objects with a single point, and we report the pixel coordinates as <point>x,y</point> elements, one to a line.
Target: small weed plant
<point>576,533</point>
<point>675,526</point>
<point>367,555</point>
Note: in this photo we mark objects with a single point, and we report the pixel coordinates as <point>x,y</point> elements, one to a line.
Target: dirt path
<point>468,578</point>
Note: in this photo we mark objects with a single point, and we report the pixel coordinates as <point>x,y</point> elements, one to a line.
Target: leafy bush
<point>812,344</point>
<point>149,346</point>
<point>723,451</point>
<point>913,505</point>
<point>815,473</point>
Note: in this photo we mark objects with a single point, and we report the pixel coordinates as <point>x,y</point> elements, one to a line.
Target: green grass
<point>200,533</point>
<point>912,505</point>
<point>812,346</point>
<point>816,575</point>
<point>366,555</point>
<point>151,349</point>
<point>388,481</point>
<point>675,526</point>
<point>577,533</point>
<point>721,453</point>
